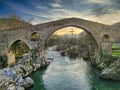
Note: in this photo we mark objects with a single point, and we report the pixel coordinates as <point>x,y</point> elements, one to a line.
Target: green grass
<point>115,46</point>
<point>116,50</point>
<point>116,53</point>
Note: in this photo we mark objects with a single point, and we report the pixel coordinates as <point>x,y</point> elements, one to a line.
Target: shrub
<point>2,61</point>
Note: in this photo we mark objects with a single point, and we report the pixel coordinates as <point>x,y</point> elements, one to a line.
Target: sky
<point>68,30</point>
<point>41,11</point>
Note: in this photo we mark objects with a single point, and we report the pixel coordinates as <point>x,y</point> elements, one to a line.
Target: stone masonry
<point>104,35</point>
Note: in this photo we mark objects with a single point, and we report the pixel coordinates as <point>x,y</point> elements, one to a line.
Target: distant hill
<point>8,23</point>
<point>116,26</point>
<point>118,23</point>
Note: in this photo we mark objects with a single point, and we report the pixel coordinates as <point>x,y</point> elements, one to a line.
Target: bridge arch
<point>14,40</point>
<point>96,30</point>
<point>97,47</point>
<point>16,50</point>
<point>19,41</point>
<point>89,32</point>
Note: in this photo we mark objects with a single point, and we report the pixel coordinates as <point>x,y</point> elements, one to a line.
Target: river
<point>70,74</point>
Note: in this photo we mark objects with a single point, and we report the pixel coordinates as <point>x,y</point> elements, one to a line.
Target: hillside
<point>118,23</point>
<point>8,23</point>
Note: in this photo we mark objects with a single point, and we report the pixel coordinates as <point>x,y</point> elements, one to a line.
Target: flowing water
<point>70,74</point>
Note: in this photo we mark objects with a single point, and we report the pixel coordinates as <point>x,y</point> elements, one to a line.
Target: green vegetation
<point>105,62</point>
<point>19,48</point>
<point>12,22</point>
<point>116,50</point>
<point>52,40</point>
<point>73,46</point>
<point>2,62</point>
<point>115,46</point>
<point>116,53</point>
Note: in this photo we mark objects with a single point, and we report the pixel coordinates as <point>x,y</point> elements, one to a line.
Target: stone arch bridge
<point>104,35</point>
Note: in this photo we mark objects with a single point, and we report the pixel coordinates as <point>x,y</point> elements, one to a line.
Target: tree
<point>15,16</point>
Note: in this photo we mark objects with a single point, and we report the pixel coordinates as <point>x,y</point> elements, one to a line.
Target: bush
<point>2,61</point>
<point>18,56</point>
<point>93,60</point>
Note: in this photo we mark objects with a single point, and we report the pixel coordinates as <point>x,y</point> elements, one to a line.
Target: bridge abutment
<point>106,48</point>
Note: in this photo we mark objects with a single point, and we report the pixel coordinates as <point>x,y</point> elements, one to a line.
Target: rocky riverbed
<point>109,67</point>
<point>17,77</point>
<point>112,71</point>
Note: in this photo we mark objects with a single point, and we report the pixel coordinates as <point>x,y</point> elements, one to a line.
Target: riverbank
<point>17,76</point>
<point>108,66</point>
<point>66,73</point>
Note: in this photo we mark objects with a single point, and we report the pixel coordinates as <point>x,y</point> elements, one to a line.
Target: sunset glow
<point>68,30</point>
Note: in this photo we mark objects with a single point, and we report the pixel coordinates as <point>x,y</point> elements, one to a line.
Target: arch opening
<point>16,51</point>
<point>106,37</point>
<point>35,36</point>
<point>81,42</point>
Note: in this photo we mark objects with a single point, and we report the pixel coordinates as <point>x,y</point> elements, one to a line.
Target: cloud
<point>102,10</point>
<point>56,1</point>
<point>64,13</point>
<point>56,14</point>
<point>41,7</point>
<point>103,2</point>
<point>107,3</point>
<point>55,5</point>
<point>102,7</point>
<point>108,18</point>
<point>101,13</point>
<point>38,5</point>
<point>111,18</point>
<point>116,4</point>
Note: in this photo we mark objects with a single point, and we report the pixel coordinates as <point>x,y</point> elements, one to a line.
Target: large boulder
<point>6,83</point>
<point>4,80</point>
<point>28,82</point>
<point>13,87</point>
<point>112,71</point>
<point>16,77</point>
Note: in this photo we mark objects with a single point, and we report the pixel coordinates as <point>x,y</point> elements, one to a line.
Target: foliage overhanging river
<point>70,74</point>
